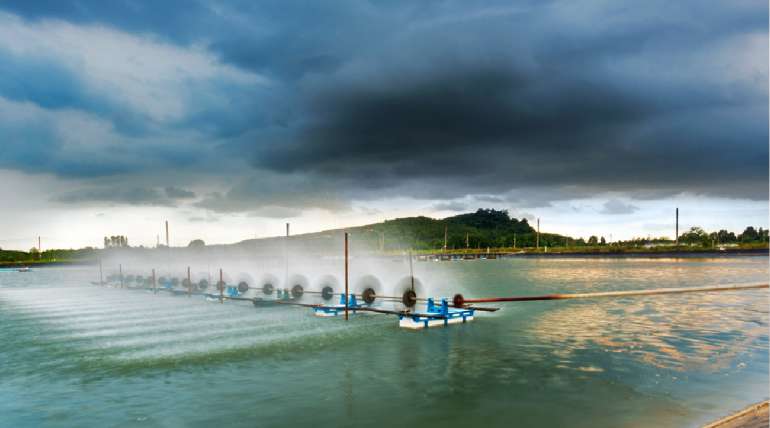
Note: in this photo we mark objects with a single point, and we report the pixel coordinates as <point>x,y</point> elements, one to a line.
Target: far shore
<point>655,254</point>
<point>498,253</point>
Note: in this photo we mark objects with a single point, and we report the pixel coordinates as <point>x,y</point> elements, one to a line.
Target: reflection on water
<point>683,332</point>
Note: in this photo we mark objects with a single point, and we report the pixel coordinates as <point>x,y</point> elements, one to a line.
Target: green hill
<point>481,229</point>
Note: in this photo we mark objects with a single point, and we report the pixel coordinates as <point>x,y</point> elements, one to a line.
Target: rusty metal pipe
<point>459,300</point>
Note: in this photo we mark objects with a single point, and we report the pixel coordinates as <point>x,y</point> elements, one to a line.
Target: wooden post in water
<point>189,283</point>
<point>221,287</point>
<point>154,283</point>
<point>120,271</point>
<point>346,276</point>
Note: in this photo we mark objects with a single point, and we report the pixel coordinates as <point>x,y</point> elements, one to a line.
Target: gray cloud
<point>534,101</point>
<point>615,206</point>
<point>201,219</point>
<point>277,195</point>
<point>488,198</point>
<point>125,195</point>
<point>118,194</point>
<point>450,206</point>
<point>178,193</point>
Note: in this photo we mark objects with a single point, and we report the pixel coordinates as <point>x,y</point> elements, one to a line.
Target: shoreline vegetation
<point>471,235</point>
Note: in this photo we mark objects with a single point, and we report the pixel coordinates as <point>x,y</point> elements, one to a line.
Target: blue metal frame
<point>340,308</point>
<point>442,312</point>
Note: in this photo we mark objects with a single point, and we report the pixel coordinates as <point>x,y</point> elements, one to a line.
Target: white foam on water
<point>223,344</point>
<point>129,325</point>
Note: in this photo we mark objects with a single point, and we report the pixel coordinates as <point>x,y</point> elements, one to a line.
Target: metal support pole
<point>346,276</point>
<point>286,258</point>
<point>411,269</point>
<point>120,270</point>
<point>189,283</point>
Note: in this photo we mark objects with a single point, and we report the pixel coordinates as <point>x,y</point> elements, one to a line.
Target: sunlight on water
<point>708,335</point>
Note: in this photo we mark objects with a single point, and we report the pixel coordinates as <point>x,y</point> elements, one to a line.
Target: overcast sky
<point>230,118</point>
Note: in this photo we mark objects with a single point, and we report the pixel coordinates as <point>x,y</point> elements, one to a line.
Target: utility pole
<point>677,227</point>
<point>167,244</point>
<point>445,236</point>
<point>537,241</point>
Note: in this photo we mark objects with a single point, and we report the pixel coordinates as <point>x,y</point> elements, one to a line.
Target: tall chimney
<point>677,227</point>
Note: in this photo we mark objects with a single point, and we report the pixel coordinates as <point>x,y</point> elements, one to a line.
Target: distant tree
<point>603,241</point>
<point>34,252</point>
<point>695,236</point>
<point>749,235</point>
<point>115,241</point>
<point>196,243</point>
<point>593,240</point>
<point>725,237</point>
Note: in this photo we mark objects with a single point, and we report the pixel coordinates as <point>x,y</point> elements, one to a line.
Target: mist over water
<point>306,262</point>
<point>75,354</point>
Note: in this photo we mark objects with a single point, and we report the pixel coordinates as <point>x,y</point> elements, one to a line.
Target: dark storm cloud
<point>534,101</point>
<point>481,110</point>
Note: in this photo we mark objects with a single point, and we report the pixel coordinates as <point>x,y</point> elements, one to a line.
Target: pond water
<point>74,354</point>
